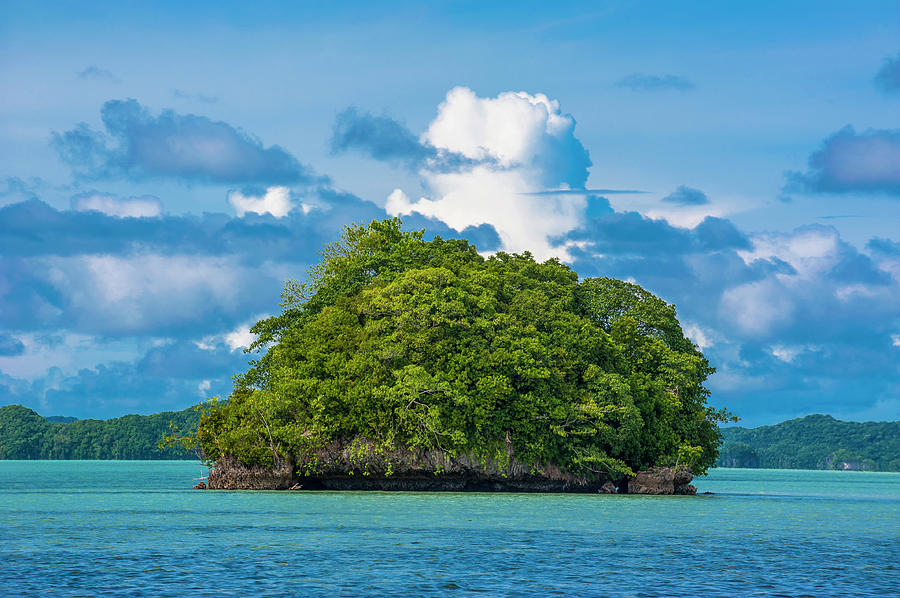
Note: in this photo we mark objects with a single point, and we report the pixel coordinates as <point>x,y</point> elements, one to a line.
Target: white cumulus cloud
<point>757,307</point>
<point>809,250</point>
<point>111,205</point>
<point>115,296</point>
<point>276,201</point>
<point>701,337</point>
<point>240,338</point>
<point>786,353</point>
<point>519,144</point>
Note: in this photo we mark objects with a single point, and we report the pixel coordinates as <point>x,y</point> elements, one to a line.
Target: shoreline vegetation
<point>814,442</point>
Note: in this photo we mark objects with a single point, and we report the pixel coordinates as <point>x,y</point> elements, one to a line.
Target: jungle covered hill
<point>399,356</point>
<point>814,442</point>
<point>26,435</point>
<point>811,442</point>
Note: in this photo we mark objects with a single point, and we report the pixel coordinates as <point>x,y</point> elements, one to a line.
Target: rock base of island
<point>661,480</point>
<point>455,475</point>
<point>445,483</point>
<point>230,474</point>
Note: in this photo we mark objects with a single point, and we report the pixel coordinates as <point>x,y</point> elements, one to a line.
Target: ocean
<point>136,528</point>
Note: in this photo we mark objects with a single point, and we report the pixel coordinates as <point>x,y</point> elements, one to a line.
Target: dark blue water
<point>81,528</point>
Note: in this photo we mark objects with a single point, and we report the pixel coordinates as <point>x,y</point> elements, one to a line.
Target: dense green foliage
<point>814,442</point>
<point>395,341</point>
<point>26,435</point>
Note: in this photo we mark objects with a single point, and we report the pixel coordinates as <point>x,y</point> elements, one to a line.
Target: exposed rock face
<point>683,476</point>
<point>445,483</point>
<point>682,481</point>
<point>653,481</point>
<point>229,474</point>
<point>688,489</point>
<point>360,466</point>
<point>608,488</point>
<point>200,486</point>
<point>662,480</point>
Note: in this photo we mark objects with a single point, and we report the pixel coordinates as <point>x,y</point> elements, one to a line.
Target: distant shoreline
<point>811,443</point>
<point>814,442</point>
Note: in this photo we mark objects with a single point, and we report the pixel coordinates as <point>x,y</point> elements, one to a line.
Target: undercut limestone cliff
<point>661,480</point>
<point>357,467</point>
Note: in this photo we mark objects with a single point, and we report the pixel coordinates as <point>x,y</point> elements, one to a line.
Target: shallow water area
<point>74,528</point>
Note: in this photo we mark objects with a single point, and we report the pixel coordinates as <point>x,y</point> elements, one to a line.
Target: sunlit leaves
<point>393,341</point>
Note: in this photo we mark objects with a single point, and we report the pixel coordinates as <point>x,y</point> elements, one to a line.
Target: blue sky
<point>163,168</point>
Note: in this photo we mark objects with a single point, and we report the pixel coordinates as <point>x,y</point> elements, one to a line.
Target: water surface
<point>75,528</point>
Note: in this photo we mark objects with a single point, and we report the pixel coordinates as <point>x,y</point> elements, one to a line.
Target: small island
<point>406,364</point>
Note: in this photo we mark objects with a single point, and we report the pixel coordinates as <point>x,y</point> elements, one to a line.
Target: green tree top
<point>401,342</point>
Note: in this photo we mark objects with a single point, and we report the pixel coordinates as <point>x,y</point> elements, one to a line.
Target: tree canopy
<point>395,341</point>
<point>814,442</point>
<point>26,435</point>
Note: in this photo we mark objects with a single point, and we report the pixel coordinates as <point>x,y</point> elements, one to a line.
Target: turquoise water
<point>76,528</point>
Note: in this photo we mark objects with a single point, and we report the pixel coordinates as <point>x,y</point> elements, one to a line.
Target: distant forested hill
<point>814,442</point>
<point>26,435</point>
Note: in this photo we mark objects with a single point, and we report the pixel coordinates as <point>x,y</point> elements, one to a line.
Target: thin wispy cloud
<point>99,74</point>
<point>195,97</point>
<point>586,192</point>
<point>642,82</point>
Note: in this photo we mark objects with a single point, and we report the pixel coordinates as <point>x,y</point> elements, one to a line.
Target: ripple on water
<point>79,529</point>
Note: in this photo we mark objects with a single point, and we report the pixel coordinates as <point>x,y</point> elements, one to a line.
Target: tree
<point>816,442</point>
<point>394,342</point>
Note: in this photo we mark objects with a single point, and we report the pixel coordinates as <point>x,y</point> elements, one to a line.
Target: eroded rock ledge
<point>661,480</point>
<point>417,472</point>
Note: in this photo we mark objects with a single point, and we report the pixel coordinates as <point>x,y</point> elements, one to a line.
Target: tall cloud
<point>852,162</point>
<point>138,145</point>
<point>795,322</point>
<point>518,144</point>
